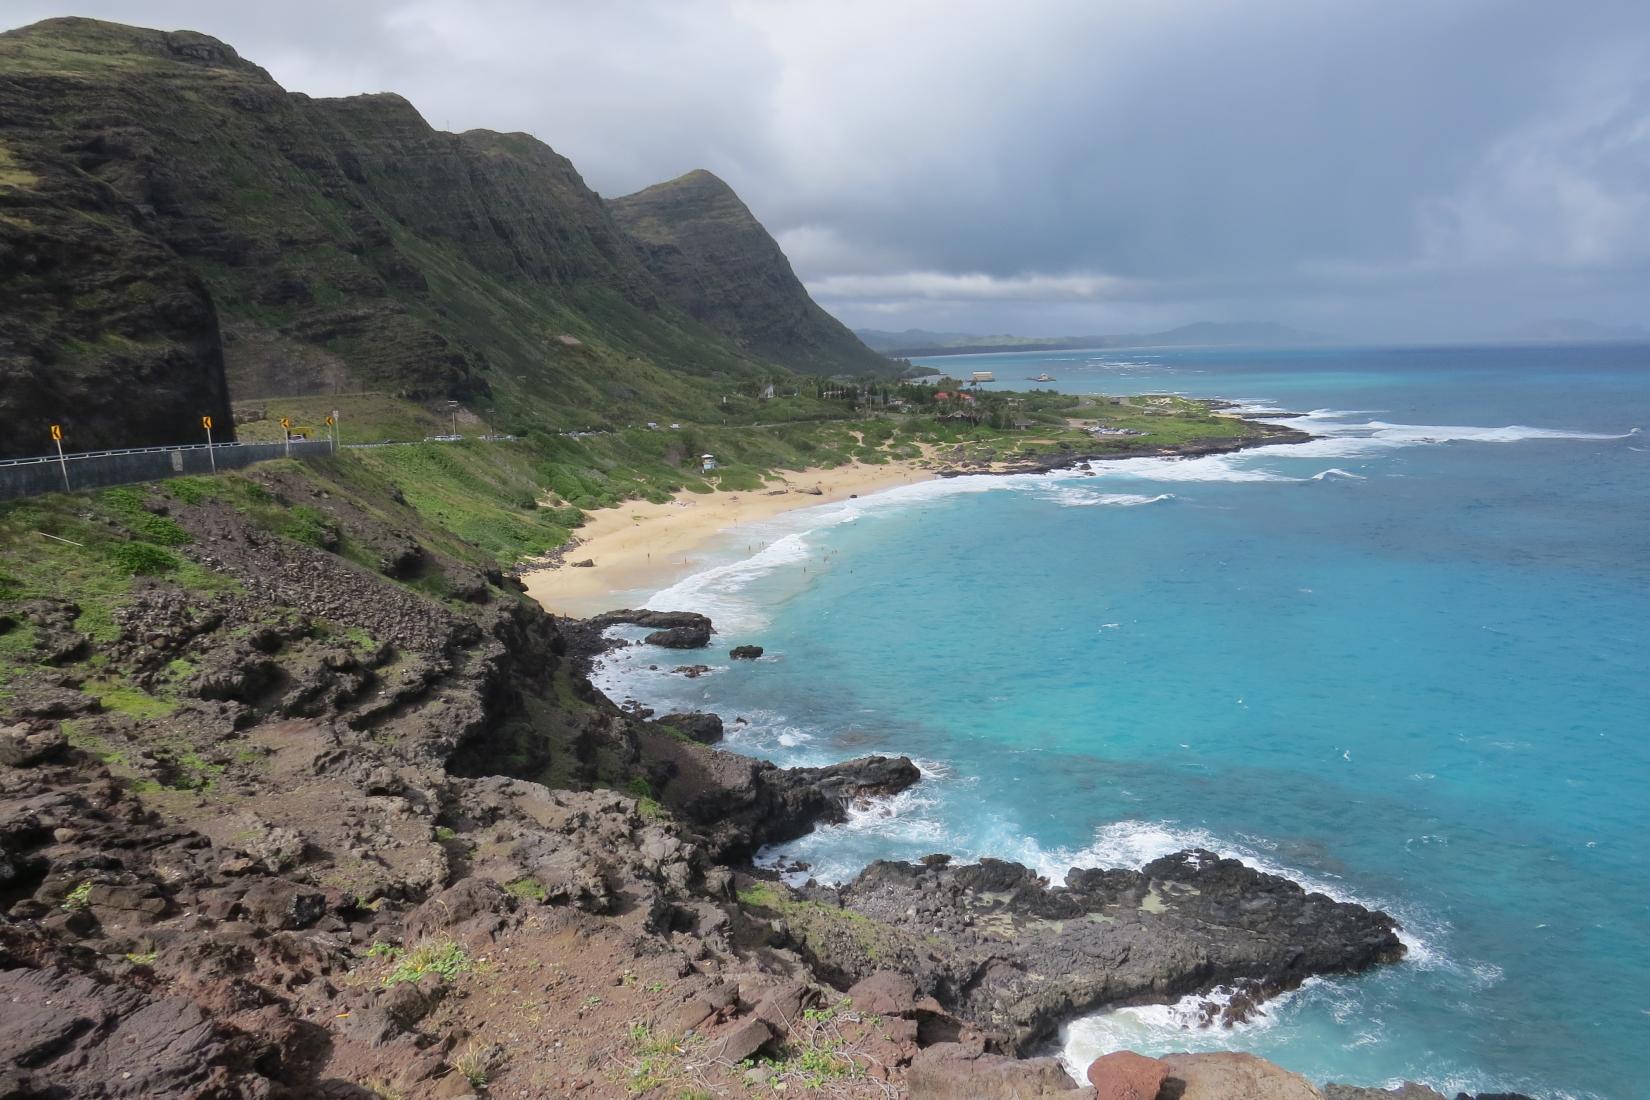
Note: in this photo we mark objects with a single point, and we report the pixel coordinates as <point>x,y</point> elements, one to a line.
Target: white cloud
<point>975,286</point>
<point>1283,159</point>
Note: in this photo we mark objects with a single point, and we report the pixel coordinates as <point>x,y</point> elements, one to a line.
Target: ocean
<point>1407,664</point>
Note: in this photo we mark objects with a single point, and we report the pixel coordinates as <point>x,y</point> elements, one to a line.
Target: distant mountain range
<point>1571,330</point>
<point>916,341</point>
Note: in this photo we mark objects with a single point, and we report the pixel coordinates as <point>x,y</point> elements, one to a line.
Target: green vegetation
<point>475,1064</point>
<point>817,925</point>
<point>442,957</point>
<point>142,958</point>
<point>530,889</point>
<point>138,559</point>
<point>821,1048</point>
<point>76,898</point>
<point>127,502</point>
<point>122,699</point>
<point>655,1060</point>
<point>81,548</point>
<point>308,526</point>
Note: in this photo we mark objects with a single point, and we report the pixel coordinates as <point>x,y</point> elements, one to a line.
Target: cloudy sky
<point>1391,168</point>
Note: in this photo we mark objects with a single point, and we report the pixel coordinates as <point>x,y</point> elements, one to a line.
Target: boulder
<point>21,749</point>
<point>72,1035</point>
<point>745,652</point>
<point>740,804</point>
<point>743,1040</point>
<point>695,726</point>
<point>954,1071</point>
<point>680,637</point>
<point>1230,1075</point>
<point>1125,1075</point>
<point>1409,1090</point>
<point>457,904</point>
<point>279,904</point>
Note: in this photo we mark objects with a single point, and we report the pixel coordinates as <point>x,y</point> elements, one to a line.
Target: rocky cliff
<point>299,797</point>
<point>155,186</point>
<point>717,263</point>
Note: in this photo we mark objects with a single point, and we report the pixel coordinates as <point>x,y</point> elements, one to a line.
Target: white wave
<point>1158,1029</point>
<point>1336,471</point>
<point>1072,497</point>
<point>1228,467</point>
<point>716,591</point>
<point>713,591</point>
<point>905,822</point>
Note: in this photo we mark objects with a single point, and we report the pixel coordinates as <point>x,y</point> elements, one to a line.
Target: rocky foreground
<point>298,828</point>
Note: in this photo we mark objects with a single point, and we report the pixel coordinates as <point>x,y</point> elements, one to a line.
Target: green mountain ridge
<point>177,230</point>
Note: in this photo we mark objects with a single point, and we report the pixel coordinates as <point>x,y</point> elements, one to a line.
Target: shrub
<point>308,526</point>
<point>442,957</point>
<point>142,558</point>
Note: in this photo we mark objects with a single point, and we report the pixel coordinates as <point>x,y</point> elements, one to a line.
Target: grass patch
<point>530,889</point>
<point>309,526</point>
<point>76,898</point>
<point>142,559</point>
<point>130,701</point>
<point>817,924</point>
<point>442,957</point>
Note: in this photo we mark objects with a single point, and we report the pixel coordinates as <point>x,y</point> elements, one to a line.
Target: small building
<point>707,463</point>
<point>942,396</point>
<point>982,376</point>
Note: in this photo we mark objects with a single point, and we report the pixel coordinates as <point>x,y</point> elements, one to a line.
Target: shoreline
<point>642,545</point>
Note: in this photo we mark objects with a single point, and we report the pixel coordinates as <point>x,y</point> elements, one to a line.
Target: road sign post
<point>286,430</point>
<point>62,463</point>
<point>211,456</point>
<point>332,425</point>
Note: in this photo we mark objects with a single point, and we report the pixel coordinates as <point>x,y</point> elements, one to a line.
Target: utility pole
<point>453,407</point>
<point>211,456</point>
<point>63,464</point>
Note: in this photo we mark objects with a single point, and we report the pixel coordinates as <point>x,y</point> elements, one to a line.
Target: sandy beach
<point>642,545</point>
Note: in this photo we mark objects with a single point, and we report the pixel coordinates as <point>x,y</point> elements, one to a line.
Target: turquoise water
<point>1406,663</point>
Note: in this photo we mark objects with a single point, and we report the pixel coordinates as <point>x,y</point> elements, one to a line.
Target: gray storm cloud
<point>1397,169</point>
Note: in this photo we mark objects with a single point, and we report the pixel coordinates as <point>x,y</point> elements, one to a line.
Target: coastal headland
<point>335,810</point>
<point>279,824</point>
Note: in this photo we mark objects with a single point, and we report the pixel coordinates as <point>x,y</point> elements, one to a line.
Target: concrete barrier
<point>29,477</point>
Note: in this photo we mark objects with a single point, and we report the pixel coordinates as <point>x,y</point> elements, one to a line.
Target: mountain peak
<point>70,42</point>
<point>719,264</point>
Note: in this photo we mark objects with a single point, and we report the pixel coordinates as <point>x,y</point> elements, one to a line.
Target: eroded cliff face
<point>103,331</point>
<point>717,263</point>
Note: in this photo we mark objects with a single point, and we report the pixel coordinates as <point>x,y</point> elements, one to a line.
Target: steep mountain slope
<point>345,245</point>
<point>718,264</point>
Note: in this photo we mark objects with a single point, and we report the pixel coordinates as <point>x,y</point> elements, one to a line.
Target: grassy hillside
<point>337,246</point>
